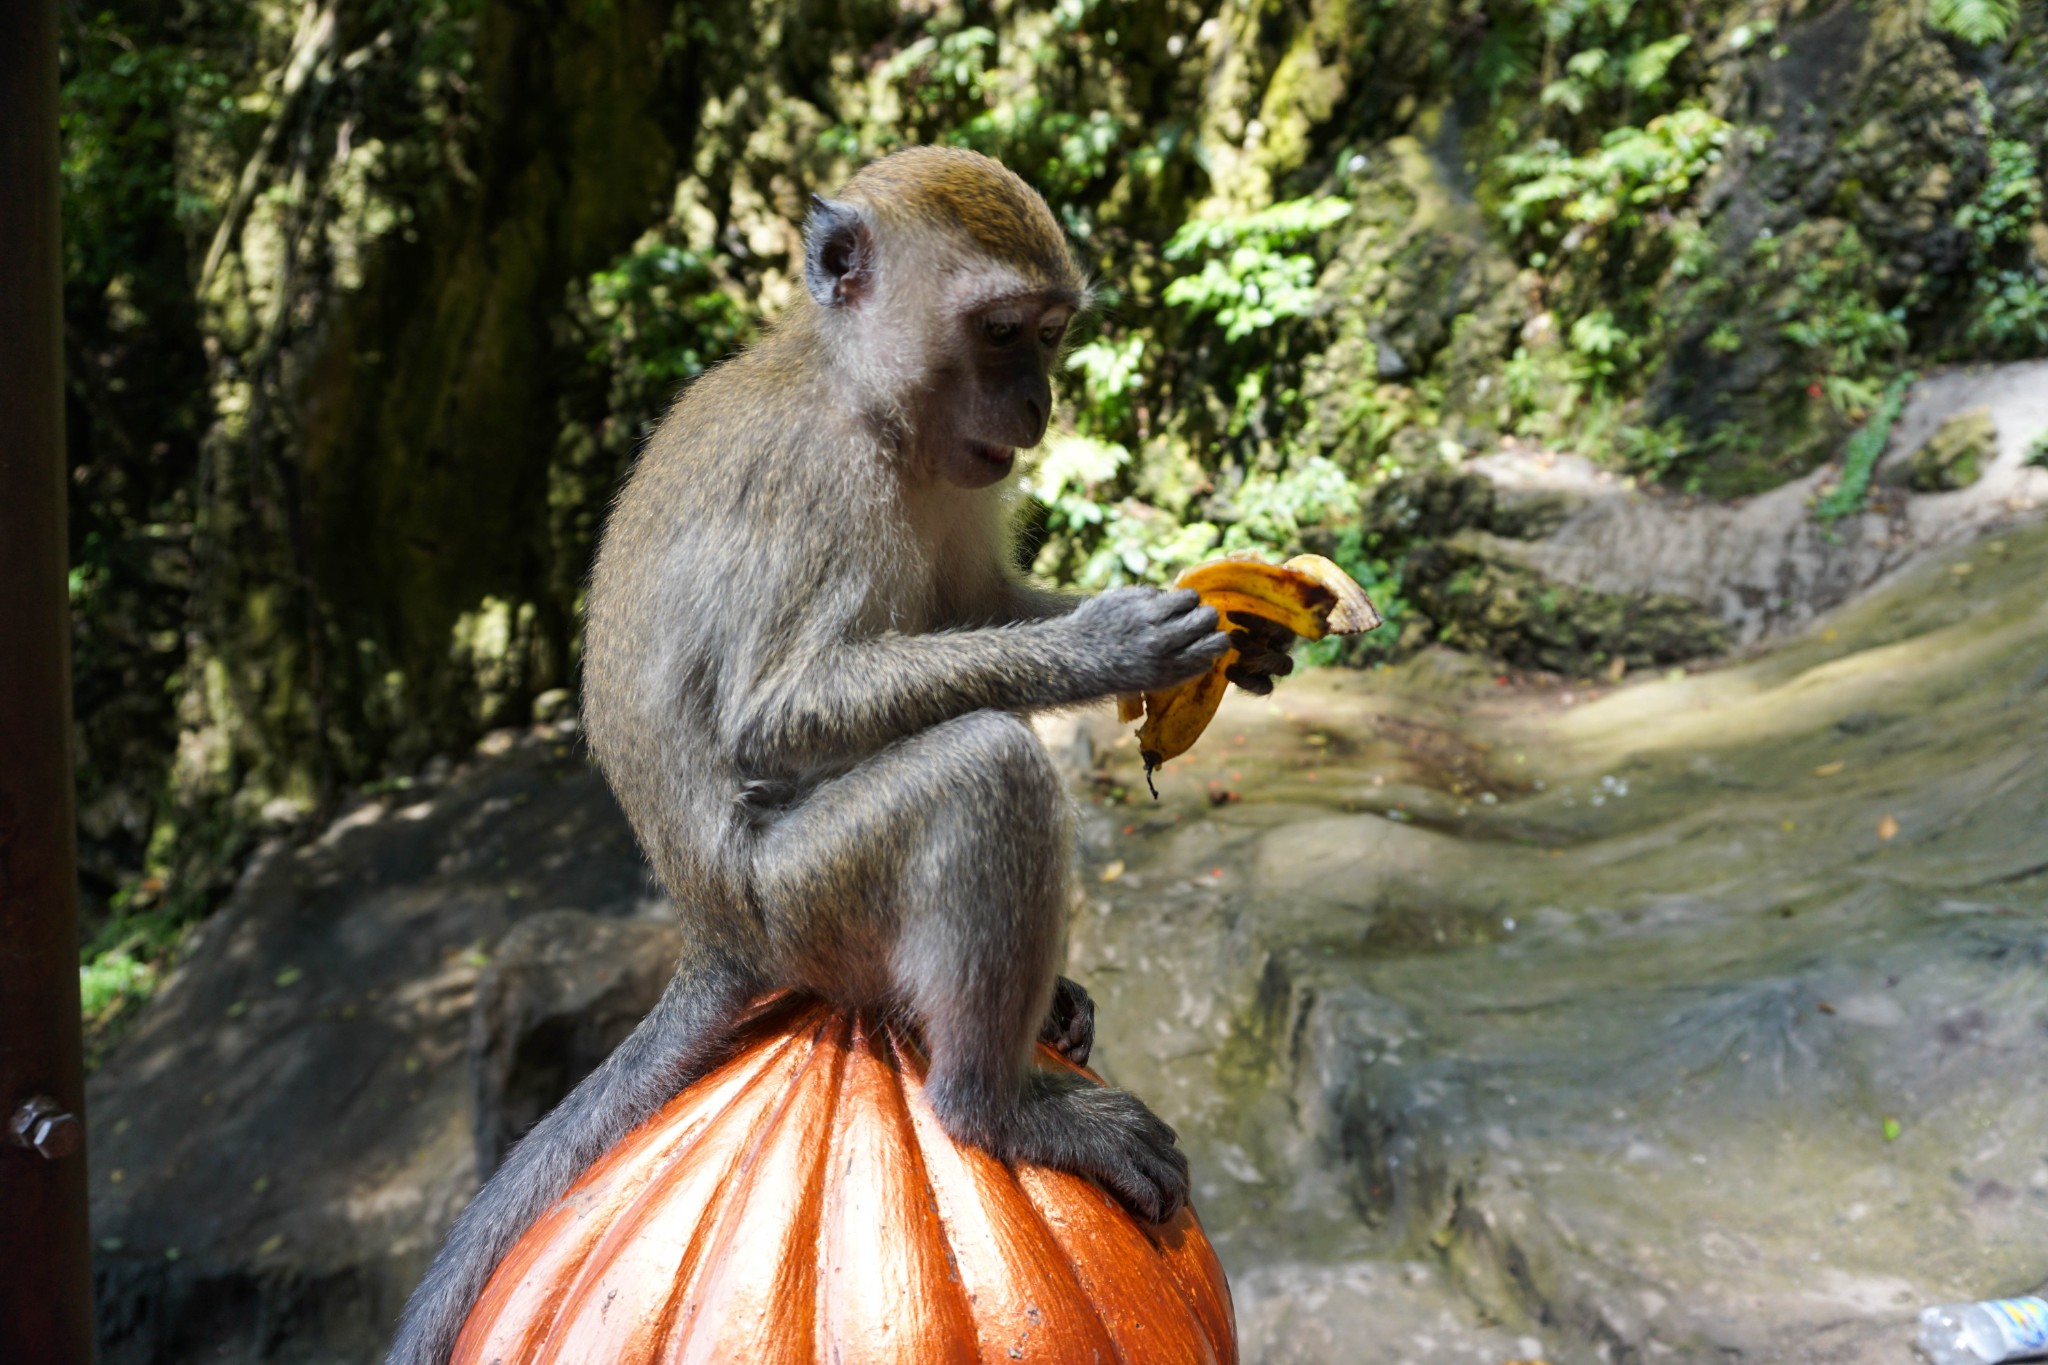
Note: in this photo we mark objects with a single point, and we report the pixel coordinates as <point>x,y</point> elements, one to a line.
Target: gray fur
<point>806,662</point>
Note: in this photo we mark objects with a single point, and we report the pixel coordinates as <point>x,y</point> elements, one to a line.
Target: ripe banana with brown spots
<point>1307,596</point>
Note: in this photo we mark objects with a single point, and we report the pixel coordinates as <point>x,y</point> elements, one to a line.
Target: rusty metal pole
<point>45,1256</point>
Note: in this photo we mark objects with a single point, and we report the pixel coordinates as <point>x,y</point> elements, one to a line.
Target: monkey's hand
<point>1138,639</point>
<point>1069,1028</point>
<point>1262,647</point>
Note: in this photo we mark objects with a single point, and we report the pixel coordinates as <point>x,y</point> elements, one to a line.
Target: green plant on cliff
<point>1860,455</point>
<point>1254,272</point>
<point>1850,343</point>
<point>2009,287</point>
<point>1974,21</point>
<point>1630,176</point>
<point>661,320</point>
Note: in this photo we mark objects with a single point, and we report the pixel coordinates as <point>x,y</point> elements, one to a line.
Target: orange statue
<point>802,1204</point>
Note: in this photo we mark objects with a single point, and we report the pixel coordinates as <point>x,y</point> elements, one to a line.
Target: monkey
<point>808,660</point>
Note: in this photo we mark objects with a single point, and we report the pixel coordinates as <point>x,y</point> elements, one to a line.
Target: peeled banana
<point>1308,595</point>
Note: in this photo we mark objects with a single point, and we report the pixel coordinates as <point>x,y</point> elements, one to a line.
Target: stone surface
<point>1692,1020</point>
<point>560,991</point>
<point>1767,566</point>
<point>1695,1020</point>
<point>277,1148</point>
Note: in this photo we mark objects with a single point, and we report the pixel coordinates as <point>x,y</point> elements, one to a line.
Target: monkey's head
<point>946,287</point>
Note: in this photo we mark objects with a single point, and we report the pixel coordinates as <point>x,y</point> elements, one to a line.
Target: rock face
<point>1769,566</point>
<point>561,990</point>
<point>1694,1020</point>
<point>279,1146</point>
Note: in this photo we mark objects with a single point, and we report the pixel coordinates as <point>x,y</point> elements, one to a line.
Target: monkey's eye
<point>1001,329</point>
<point>1050,334</point>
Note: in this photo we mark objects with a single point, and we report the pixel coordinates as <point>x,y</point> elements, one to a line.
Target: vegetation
<point>1861,454</point>
<point>369,307</point>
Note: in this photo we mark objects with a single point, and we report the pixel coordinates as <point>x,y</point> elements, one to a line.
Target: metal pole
<point>45,1254</point>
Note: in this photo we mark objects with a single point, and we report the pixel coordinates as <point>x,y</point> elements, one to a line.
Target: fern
<point>1974,21</point>
<point>1859,458</point>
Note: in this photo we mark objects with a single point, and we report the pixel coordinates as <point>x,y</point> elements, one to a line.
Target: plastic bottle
<point>1984,1333</point>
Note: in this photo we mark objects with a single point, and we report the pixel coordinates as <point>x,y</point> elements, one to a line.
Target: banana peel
<point>1308,595</point>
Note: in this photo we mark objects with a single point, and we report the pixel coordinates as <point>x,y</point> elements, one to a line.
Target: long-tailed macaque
<point>807,663</point>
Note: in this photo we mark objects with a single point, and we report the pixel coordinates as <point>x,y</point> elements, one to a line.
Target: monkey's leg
<point>679,1040</point>
<point>947,853</point>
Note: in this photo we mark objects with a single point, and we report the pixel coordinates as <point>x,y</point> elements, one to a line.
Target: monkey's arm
<point>851,698</point>
<point>1018,601</point>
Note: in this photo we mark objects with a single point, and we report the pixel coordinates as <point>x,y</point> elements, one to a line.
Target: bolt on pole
<point>45,1252</point>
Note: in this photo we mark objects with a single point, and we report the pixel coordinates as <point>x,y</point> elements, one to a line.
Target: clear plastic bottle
<point>1984,1333</point>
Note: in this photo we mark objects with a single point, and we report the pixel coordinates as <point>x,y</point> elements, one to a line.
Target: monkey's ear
<point>839,253</point>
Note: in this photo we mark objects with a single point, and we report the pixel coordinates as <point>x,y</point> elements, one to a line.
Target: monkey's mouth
<point>998,458</point>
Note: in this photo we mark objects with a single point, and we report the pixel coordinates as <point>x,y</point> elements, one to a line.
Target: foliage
<point>2012,312</point>
<point>1252,274</point>
<point>661,319</point>
<point>1065,151</point>
<point>1589,70</point>
<point>943,68</point>
<point>2009,200</point>
<point>2010,288</point>
<point>1861,454</point>
<point>1974,21</point>
<point>1111,371</point>
<point>1848,340</point>
<point>1633,172</point>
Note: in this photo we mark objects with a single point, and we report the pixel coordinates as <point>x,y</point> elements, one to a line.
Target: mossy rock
<point>1511,613</point>
<point>1436,504</point>
<point>1955,455</point>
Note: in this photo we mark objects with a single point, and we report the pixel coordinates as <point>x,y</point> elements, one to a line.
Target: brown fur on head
<point>949,188</point>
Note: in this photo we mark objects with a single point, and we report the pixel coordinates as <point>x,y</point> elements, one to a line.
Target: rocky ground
<point>1691,1016</point>
<point>1698,1018</point>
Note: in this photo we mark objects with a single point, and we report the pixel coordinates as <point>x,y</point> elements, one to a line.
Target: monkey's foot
<point>1108,1135</point>
<point>1070,1026</point>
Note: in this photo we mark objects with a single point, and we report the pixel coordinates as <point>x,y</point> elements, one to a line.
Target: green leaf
<point>1974,21</point>
<point>1648,67</point>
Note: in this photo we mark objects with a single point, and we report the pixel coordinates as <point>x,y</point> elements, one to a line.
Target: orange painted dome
<point>802,1204</point>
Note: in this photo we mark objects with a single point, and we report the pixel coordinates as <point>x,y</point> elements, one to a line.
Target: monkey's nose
<point>1035,418</point>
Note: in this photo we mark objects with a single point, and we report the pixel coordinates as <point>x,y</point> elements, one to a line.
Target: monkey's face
<point>996,398</point>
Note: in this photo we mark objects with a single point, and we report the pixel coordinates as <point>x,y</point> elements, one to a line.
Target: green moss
<point>1955,455</point>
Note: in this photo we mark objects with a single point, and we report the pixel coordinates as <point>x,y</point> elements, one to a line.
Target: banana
<point>1352,613</point>
<point>1308,595</point>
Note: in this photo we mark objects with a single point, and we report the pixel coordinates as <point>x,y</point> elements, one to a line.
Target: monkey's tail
<point>679,1040</point>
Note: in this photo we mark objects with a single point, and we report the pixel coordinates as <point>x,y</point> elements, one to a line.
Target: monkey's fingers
<point>1258,684</point>
<point>1069,1027</point>
<point>1191,621</point>
<point>1261,656</point>
<point>1256,679</point>
<point>1172,602</point>
<point>1260,630</point>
